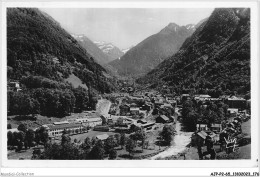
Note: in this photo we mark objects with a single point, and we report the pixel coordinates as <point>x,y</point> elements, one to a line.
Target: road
<point>181,140</point>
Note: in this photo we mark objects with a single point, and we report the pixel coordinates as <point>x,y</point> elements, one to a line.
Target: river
<point>181,140</point>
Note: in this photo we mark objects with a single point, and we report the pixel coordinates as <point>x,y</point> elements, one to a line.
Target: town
<point>135,124</point>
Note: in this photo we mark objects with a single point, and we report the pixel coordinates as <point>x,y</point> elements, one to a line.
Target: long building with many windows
<point>71,128</point>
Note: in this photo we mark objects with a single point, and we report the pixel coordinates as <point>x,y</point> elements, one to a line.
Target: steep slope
<point>216,57</point>
<point>146,55</point>
<point>38,46</point>
<point>126,50</point>
<point>109,49</point>
<point>99,56</point>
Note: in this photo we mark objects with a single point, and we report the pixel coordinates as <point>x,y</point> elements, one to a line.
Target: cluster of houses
<point>135,108</point>
<point>231,101</point>
<point>236,114</point>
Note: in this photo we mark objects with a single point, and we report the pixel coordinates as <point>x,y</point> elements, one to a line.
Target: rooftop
<point>64,126</point>
<point>202,134</point>
<point>60,123</point>
<point>134,109</point>
<point>102,137</point>
<point>164,117</point>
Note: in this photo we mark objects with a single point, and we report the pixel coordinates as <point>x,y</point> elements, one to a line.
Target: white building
<point>71,128</point>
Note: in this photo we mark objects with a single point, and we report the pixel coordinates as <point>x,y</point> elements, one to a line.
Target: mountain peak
<point>171,27</point>
<point>220,41</point>
<point>109,49</point>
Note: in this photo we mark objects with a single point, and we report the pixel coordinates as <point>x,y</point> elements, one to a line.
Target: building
<point>173,103</point>
<point>166,105</point>
<point>204,97</point>
<point>13,130</point>
<point>124,109</point>
<point>235,102</point>
<point>198,138</point>
<point>102,137</point>
<point>216,128</point>
<point>110,121</point>
<point>123,129</point>
<point>134,111</point>
<point>146,107</point>
<point>232,112</point>
<point>148,126</point>
<point>15,86</point>
<point>122,121</point>
<point>158,104</point>
<point>162,119</point>
<point>102,128</point>
<point>202,127</point>
<point>133,105</point>
<point>92,122</point>
<point>185,97</point>
<point>215,99</point>
<point>57,129</point>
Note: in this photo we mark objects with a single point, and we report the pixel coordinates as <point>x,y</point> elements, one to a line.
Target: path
<point>103,106</point>
<point>181,140</point>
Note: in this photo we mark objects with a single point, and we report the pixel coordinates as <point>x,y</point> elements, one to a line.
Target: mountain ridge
<point>147,54</point>
<point>38,46</point>
<point>211,58</point>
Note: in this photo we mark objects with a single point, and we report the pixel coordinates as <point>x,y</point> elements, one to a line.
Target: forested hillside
<point>41,55</point>
<point>216,58</point>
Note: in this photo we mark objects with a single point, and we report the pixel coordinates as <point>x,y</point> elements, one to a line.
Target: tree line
<point>95,149</point>
<point>26,138</point>
<point>89,149</point>
<point>50,102</point>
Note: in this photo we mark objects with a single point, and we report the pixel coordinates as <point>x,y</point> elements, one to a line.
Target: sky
<point>121,26</point>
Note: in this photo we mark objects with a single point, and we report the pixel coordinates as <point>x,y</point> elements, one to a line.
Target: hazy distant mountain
<point>216,56</point>
<point>153,50</point>
<point>98,55</point>
<point>109,49</point>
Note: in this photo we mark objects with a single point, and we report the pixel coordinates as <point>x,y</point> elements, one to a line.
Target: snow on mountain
<point>98,54</point>
<point>125,50</point>
<point>109,49</point>
<point>191,27</point>
<point>78,37</point>
<point>104,46</point>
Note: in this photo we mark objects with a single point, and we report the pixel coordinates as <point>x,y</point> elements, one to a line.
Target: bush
<point>113,154</point>
<point>167,134</point>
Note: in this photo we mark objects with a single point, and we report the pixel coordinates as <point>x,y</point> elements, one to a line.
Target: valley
<point>182,93</point>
